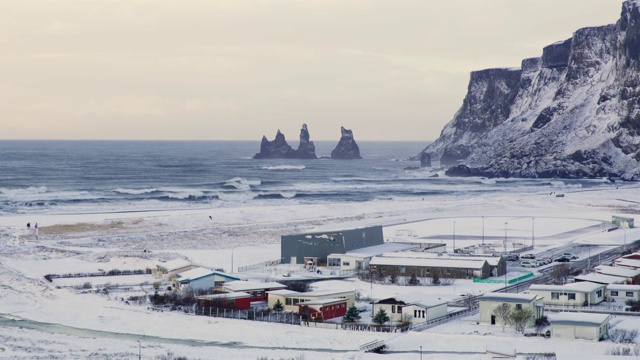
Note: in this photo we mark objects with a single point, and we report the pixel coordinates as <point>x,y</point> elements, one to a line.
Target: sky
<point>238,70</point>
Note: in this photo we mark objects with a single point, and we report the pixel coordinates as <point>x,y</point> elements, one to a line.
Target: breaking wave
<point>284,167</point>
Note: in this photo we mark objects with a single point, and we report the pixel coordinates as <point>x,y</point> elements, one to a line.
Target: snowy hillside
<point>572,113</point>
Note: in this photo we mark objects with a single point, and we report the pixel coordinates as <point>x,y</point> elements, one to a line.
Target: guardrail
<point>442,320</point>
<point>373,345</point>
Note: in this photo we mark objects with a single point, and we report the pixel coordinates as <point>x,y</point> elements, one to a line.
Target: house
<point>600,279</point>
<point>318,245</point>
<point>323,309</point>
<point>292,299</point>
<point>414,308</point>
<point>586,326</point>
<point>202,279</point>
<point>632,276</point>
<point>443,266</point>
<point>621,293</point>
<point>359,259</point>
<point>231,300</point>
<point>257,290</point>
<point>488,302</point>
<point>575,294</point>
<point>631,261</point>
<point>168,270</point>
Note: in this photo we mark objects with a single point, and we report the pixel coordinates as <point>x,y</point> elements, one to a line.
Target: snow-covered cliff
<point>572,113</point>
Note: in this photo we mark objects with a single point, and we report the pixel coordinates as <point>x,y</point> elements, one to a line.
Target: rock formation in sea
<point>347,149</point>
<point>279,149</point>
<point>574,112</point>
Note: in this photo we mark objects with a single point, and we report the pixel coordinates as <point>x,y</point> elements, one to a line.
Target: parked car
<point>540,262</point>
<point>570,256</point>
<point>528,264</point>
<point>548,260</point>
<point>562,259</point>
<point>511,257</point>
<point>528,256</point>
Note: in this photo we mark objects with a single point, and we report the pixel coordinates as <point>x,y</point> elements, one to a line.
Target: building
<point>622,222</point>
<point>414,308</point>
<point>628,262</point>
<point>630,275</point>
<point>232,300</point>
<point>586,326</point>
<point>488,303</point>
<point>440,265</point>
<point>168,270</point>
<point>257,290</point>
<point>323,309</point>
<point>202,279</point>
<point>621,293</point>
<point>295,248</point>
<point>359,259</point>
<point>292,299</point>
<point>600,279</point>
<point>575,294</point>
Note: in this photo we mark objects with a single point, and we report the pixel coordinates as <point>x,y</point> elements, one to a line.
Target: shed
<point>575,294</point>
<point>414,308</point>
<point>232,300</point>
<point>257,290</point>
<point>586,326</point>
<point>488,302</point>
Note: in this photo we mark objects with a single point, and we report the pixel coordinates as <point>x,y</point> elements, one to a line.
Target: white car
<point>570,256</point>
<point>528,264</point>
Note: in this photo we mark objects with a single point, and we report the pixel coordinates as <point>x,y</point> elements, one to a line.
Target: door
<point>493,319</point>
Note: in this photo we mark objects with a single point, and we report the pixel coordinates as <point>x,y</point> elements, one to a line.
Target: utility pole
<point>454,237</point>
<point>533,226</point>
<point>505,237</point>
<point>139,350</point>
<point>483,230</point>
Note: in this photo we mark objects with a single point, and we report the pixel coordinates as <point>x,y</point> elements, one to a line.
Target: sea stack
<point>347,149</point>
<point>276,149</point>
<point>306,148</point>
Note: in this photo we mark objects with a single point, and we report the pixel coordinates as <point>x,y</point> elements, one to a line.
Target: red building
<point>324,309</point>
<point>231,300</point>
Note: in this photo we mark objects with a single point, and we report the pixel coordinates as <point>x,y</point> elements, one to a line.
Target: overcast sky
<point>227,70</point>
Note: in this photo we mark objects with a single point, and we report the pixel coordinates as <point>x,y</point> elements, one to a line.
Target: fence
<point>250,314</point>
<point>442,320</point>
<point>355,327</point>
<point>257,266</point>
<point>499,281</point>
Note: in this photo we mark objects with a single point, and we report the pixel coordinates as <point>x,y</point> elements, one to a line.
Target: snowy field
<point>61,323</point>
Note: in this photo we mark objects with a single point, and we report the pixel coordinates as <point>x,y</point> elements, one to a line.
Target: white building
<point>575,294</point>
<point>168,270</point>
<point>488,303</point>
<point>292,299</point>
<point>414,308</point>
<point>202,279</point>
<point>586,326</point>
<point>628,262</point>
<point>601,279</point>
<point>632,276</point>
<point>621,293</point>
<point>359,259</point>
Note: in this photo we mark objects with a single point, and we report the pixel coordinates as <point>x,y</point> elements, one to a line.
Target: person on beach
<point>29,225</point>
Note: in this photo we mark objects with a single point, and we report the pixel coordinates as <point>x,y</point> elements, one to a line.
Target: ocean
<point>66,177</point>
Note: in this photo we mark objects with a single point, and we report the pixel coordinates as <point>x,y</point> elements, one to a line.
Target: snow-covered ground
<point>91,325</point>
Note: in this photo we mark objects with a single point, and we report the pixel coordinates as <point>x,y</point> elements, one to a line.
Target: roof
<point>499,297</point>
<point>283,292</point>
<point>628,262</point>
<point>623,287</point>
<point>376,250</point>
<point>579,319</point>
<point>314,294</point>
<point>583,286</point>
<point>416,298</point>
<point>229,296</point>
<point>199,273</point>
<point>601,278</point>
<point>322,301</point>
<point>174,264</point>
<point>252,285</point>
<point>433,262</point>
<point>617,271</point>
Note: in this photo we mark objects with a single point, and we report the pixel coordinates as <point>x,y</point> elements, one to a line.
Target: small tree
<point>277,307</point>
<point>634,305</point>
<point>352,314</point>
<point>413,280</point>
<point>519,318</point>
<point>502,313</point>
<point>381,317</point>
<point>435,280</point>
<point>560,273</point>
<point>541,322</point>
<point>393,276</point>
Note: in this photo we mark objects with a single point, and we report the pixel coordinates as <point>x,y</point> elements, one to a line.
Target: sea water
<point>62,177</point>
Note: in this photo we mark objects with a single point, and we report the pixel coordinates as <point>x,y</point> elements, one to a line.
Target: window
<point>287,301</point>
<point>448,271</point>
<point>296,301</point>
<point>518,306</point>
<point>415,313</point>
<point>344,305</point>
<point>423,313</point>
<point>599,293</point>
<point>571,296</point>
<point>333,262</point>
<point>399,309</point>
<point>555,296</point>
<point>629,293</point>
<point>259,294</point>
<point>346,263</point>
<point>403,270</point>
<point>614,293</point>
<point>393,309</point>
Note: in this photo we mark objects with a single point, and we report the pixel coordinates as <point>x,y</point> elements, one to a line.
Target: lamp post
<point>454,237</point>
<point>505,237</point>
<point>139,350</point>
<point>483,230</point>
<point>533,237</point>
<point>420,352</point>
<point>589,260</point>
<point>624,246</point>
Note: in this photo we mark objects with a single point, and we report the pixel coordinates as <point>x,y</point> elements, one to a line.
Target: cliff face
<point>572,113</point>
<point>347,149</point>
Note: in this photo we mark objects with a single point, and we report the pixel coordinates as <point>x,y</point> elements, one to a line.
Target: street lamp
<point>589,261</point>
<point>505,237</point>
<point>533,225</point>
<point>483,230</point>
<point>624,246</point>
<point>454,237</point>
<point>139,350</point>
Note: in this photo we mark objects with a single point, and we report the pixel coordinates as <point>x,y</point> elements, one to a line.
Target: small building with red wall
<point>323,309</point>
<point>231,300</point>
